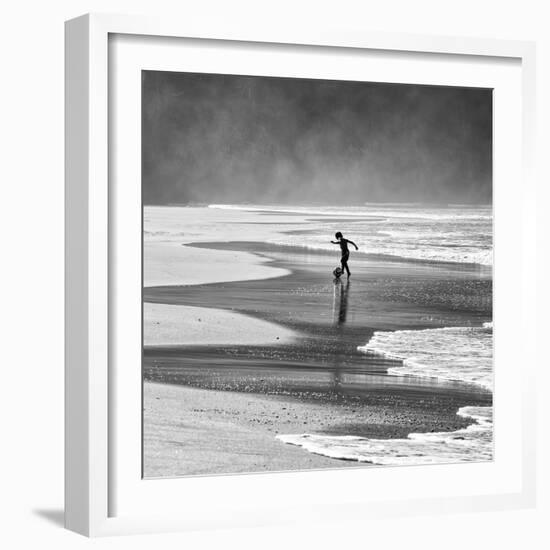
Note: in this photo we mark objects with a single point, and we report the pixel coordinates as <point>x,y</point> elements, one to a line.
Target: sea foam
<point>471,444</point>
<point>461,354</point>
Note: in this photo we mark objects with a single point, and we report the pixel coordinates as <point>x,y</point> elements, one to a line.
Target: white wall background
<point>31,303</point>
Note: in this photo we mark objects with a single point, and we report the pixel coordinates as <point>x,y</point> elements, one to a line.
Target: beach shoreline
<point>193,431</point>
<point>204,386</point>
<point>176,264</point>
<point>190,431</point>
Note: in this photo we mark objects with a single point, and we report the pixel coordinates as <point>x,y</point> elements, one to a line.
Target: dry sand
<point>169,325</point>
<point>172,263</point>
<point>189,431</point>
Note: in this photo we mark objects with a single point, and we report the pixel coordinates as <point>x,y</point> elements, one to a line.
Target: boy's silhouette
<point>345,250</point>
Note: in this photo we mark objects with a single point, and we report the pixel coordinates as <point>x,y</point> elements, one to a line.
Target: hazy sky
<point>234,139</point>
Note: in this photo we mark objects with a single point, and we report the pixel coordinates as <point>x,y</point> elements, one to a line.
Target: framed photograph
<point>297,275</point>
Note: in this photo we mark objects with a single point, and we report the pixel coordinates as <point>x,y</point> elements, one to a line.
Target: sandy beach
<point>197,432</point>
<point>194,431</point>
<point>168,325</point>
<point>259,341</point>
<point>168,264</point>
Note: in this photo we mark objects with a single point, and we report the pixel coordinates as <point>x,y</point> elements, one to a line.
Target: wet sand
<point>381,295</point>
<point>333,387</point>
<point>191,431</point>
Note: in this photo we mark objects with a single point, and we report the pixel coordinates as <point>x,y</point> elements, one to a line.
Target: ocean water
<point>461,234</point>
<point>462,354</point>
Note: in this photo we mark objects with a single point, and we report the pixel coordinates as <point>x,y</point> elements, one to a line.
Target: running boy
<point>345,250</point>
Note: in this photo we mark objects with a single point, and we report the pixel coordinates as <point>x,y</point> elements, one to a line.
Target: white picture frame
<point>91,396</point>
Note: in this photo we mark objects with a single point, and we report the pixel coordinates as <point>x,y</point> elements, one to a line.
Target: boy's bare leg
<point>345,267</point>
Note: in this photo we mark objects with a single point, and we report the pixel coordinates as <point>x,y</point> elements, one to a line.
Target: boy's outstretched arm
<point>351,242</point>
<point>334,242</point>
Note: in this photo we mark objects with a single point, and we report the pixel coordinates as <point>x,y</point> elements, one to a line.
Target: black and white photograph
<point>317,274</point>
<point>276,275</point>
